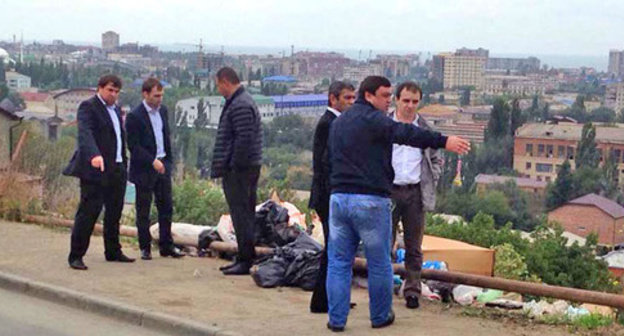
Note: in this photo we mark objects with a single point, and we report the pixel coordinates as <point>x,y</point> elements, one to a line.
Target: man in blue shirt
<point>360,147</point>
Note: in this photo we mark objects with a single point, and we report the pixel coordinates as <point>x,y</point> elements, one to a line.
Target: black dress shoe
<point>240,268</point>
<point>171,252</point>
<point>146,254</point>
<point>411,302</point>
<point>388,322</point>
<point>120,258</point>
<point>78,264</point>
<point>227,266</point>
<point>334,328</point>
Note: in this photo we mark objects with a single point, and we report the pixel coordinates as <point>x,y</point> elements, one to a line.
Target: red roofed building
<point>592,213</point>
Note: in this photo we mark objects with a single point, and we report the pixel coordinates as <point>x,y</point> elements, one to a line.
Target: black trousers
<point>240,193</point>
<point>408,208</point>
<point>318,303</point>
<point>109,193</point>
<point>161,190</point>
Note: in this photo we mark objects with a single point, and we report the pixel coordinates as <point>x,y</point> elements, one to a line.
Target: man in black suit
<point>100,163</point>
<point>341,97</point>
<point>151,163</point>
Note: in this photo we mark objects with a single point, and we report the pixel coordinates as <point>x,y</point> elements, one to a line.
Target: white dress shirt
<point>157,128</point>
<point>334,111</point>
<point>406,162</point>
<point>115,119</point>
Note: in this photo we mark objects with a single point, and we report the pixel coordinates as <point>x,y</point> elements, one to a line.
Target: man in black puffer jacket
<point>237,158</point>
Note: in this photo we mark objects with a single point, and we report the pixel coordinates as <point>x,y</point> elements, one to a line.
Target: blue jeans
<point>355,217</point>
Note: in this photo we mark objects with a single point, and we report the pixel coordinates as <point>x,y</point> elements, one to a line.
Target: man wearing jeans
<point>416,172</point>
<point>360,147</point>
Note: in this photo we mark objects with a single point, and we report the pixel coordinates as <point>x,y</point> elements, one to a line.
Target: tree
<point>499,123</point>
<point>602,114</point>
<point>587,153</point>
<point>545,112</point>
<point>561,191</point>
<point>517,118</point>
<point>578,110</point>
<point>202,117</point>
<point>2,73</point>
<point>608,180</point>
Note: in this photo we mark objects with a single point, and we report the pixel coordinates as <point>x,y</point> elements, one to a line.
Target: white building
<point>16,81</point>
<point>213,105</point>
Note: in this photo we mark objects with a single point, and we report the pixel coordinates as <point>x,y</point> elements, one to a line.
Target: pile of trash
<point>482,297</point>
<point>278,225</point>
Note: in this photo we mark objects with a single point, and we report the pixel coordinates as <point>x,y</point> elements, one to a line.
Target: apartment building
<point>465,67</point>
<point>540,149</point>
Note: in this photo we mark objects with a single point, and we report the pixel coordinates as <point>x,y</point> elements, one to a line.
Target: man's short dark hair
<point>409,86</point>
<point>112,79</point>
<point>336,88</point>
<point>228,74</point>
<point>370,84</point>
<point>151,83</point>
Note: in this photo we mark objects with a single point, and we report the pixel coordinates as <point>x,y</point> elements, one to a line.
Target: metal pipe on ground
<point>564,293</point>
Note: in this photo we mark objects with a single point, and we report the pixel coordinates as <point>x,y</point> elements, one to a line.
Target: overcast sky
<point>504,27</point>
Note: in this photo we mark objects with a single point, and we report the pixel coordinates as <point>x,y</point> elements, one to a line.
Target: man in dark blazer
<point>237,157</point>
<point>151,163</point>
<point>100,163</point>
<point>341,97</point>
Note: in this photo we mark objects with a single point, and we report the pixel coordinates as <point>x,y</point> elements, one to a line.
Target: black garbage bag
<point>271,224</point>
<point>303,271</point>
<point>206,237</point>
<point>270,272</point>
<point>296,265</point>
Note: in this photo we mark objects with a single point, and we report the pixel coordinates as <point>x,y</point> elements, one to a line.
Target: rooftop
<point>282,79</point>
<point>520,181</point>
<point>610,207</point>
<point>570,131</point>
<point>34,96</point>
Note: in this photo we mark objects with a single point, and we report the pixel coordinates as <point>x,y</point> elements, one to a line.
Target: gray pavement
<point>25,315</point>
<point>193,290</point>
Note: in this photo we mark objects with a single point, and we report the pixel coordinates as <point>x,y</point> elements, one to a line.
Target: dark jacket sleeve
<point>133,133</point>
<point>320,164</point>
<point>242,119</point>
<point>407,134</point>
<point>86,125</point>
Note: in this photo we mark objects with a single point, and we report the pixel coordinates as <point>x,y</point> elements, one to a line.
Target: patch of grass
<point>592,321</point>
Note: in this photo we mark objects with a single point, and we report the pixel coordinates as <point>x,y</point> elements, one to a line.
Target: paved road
<point>24,315</point>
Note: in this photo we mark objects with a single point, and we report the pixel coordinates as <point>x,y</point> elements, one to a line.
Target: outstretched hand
<point>457,145</point>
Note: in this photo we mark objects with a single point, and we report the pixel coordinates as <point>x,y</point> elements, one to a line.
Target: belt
<point>406,186</point>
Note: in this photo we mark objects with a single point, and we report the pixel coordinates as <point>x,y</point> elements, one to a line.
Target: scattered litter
<point>505,304</point>
<point>197,273</point>
<point>436,265</point>
<point>400,256</point>
<point>426,292</point>
<point>488,295</point>
<point>597,309</point>
<point>559,307</point>
<point>465,295</point>
<point>574,312</point>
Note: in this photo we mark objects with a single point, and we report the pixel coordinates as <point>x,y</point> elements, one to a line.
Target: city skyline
<point>507,28</point>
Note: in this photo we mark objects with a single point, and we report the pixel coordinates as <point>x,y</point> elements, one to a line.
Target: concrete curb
<point>131,314</point>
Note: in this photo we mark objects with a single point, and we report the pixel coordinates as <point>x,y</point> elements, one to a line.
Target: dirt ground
<point>194,288</point>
